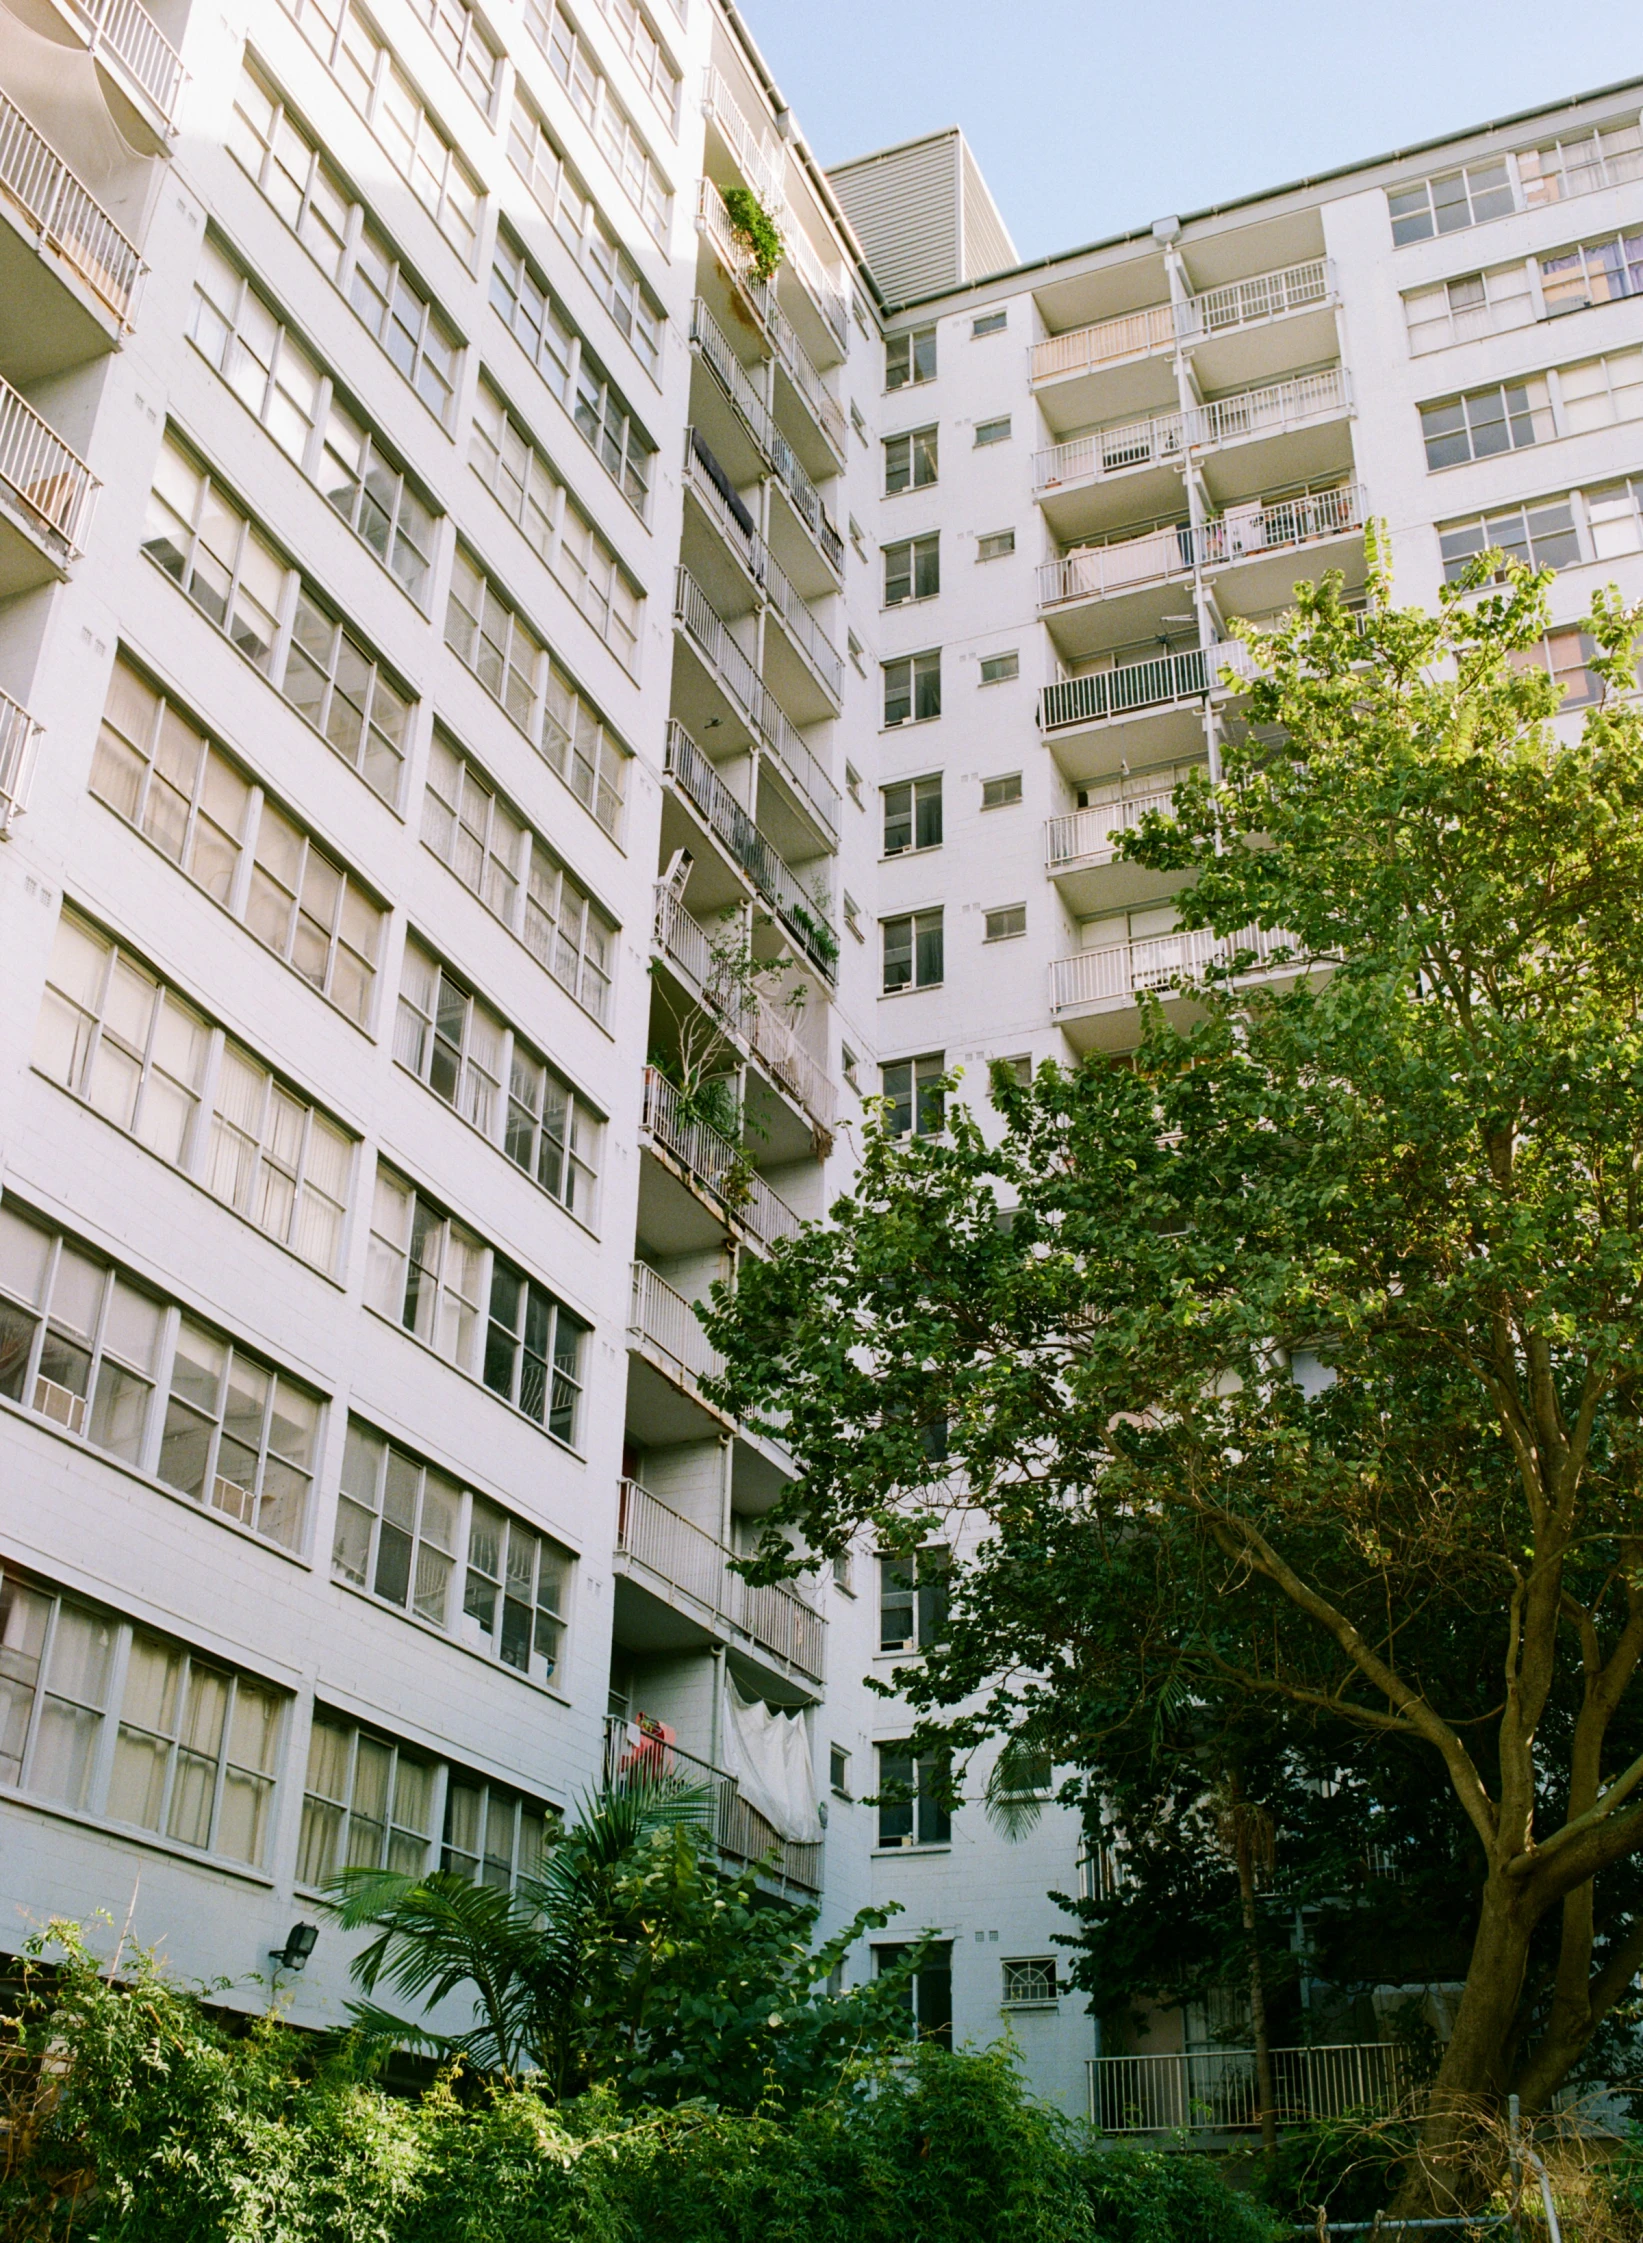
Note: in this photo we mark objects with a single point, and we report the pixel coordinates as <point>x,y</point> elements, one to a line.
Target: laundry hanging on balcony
<point>768,1754</point>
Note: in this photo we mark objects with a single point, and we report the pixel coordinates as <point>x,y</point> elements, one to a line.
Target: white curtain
<point>768,1753</point>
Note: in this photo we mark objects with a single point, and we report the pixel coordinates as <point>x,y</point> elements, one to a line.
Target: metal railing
<point>709,338</point>
<point>53,484</point>
<point>709,480</point>
<point>693,1560</point>
<point>796,361</point>
<point>666,1319</point>
<point>1161,438</point>
<point>1123,970</point>
<point>762,165</point>
<point>130,34</point>
<point>18,731</point>
<point>1088,834</point>
<point>832,301</point>
<point>696,616</point>
<point>1092,572</point>
<point>714,220</point>
<point>65,215</point>
<point>1242,303</point>
<point>1155,683</point>
<point>1153,442</point>
<point>717,1166</point>
<point>749,1015</point>
<point>1324,395</point>
<point>1215,2092</point>
<point>804,919</point>
<point>739,1830</point>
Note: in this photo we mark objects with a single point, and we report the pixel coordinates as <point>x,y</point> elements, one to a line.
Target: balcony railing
<point>762,164</point>
<point>832,301</point>
<point>65,215</point>
<point>52,485</point>
<point>1215,2091</point>
<point>718,495</point>
<point>1093,572</point>
<point>1121,970</point>
<point>1159,440</point>
<point>1087,835</point>
<point>718,1166</point>
<point>749,1015</point>
<point>130,33</point>
<point>739,1830</point>
<point>1243,303</point>
<point>693,1560</point>
<point>733,378</point>
<point>695,615</point>
<point>666,1319</point>
<point>17,736</point>
<point>1142,685</point>
<point>805,921</point>
<point>713,220</point>
<point>824,406</point>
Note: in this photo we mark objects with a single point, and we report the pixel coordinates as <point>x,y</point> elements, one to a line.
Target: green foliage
<point>756,229</point>
<point>1623,2181</point>
<point>137,2117</point>
<point>1349,2164</point>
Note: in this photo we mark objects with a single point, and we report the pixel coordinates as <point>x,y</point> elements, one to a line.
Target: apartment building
<point>517,712</point>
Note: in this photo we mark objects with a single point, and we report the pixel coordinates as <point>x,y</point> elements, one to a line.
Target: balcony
<point>721,1170</point>
<point>707,478</point>
<point>1165,681</point>
<point>45,497</point>
<point>1214,2092</point>
<point>739,1831</point>
<point>823,290</point>
<point>1161,438</point>
<point>691,1561</point>
<point>64,217</point>
<point>1256,302</point>
<point>763,164</point>
<point>127,32</point>
<point>709,341</point>
<point>758,1025</point>
<point>1089,836</point>
<point>796,363</point>
<point>666,1319</point>
<point>18,733</point>
<point>736,677</point>
<point>1105,983</point>
<point>747,848</point>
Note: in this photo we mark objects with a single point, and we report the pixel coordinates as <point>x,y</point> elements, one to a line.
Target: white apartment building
<point>513,720</point>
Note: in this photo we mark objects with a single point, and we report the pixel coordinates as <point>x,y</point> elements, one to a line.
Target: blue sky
<point>1088,119</point>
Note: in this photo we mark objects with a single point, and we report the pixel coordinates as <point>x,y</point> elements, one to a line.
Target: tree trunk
<point>1244,1855</point>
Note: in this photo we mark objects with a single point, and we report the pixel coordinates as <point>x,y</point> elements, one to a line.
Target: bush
<point>1350,2164</point>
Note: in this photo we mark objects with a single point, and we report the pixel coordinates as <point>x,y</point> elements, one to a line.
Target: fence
<point>66,216</point>
<point>716,1164</point>
<point>53,483</point>
<point>1214,2091</point>
<point>127,30</point>
<point>17,736</point>
<point>805,919</point>
<point>1124,969</point>
<point>680,1552</point>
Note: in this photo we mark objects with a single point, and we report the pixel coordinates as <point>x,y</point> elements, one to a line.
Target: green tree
<point>1334,1291</point>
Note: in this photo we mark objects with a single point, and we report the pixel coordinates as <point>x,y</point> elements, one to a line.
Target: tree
<point>1333,1293</point>
<point>629,1961</point>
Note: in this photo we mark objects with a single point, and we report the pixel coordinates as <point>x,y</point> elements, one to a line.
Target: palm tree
<point>525,1954</point>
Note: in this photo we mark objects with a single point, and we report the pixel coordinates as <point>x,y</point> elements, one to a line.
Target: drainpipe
<point>1167,233</point>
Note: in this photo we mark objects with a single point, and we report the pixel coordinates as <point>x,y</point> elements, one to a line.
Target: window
<point>313,914</point>
<point>929,1996</point>
<point>1019,1065</point>
<point>844,1572</point>
<point>853,647</point>
<point>1004,924</point>
<point>373,497</point>
<point>913,1591</point>
<point>466,1053</point>
<point>852,915</point>
<point>277,1160</point>
<point>608,428</point>
<point>195,1743</point>
<point>113,1034</point>
<point>850,1066</point>
<point>607,596</point>
<point>857,422</point>
<point>993,432</point>
<point>998,794</point>
<point>1473,304</point>
<point>1615,512</point>
<point>913,1802</point>
<point>426,1272</point>
<point>997,545</point>
<point>1451,202</point>
<point>237,1435</point>
<point>638,40</point>
<point>333,680</point>
<point>1566,656</point>
<point>367,1804</point>
<point>284,161</point>
<point>989,323</point>
<point>1543,536</point>
<point>998,669</point>
<point>912,688</point>
<point>1601,391</point>
<point>576,66</point>
<point>513,665</point>
<point>470,828</point>
<point>581,225</point>
<point>913,954</point>
<point>838,1771</point>
<point>359,59</point>
<point>491,1835</point>
<point>533,1351</point>
<point>461,39</point>
<point>910,461</point>
<point>413,1536</point>
<point>912,570</point>
<point>1598,272</point>
<point>912,815</point>
<point>1581,165</point>
<point>1504,418</point>
<point>913,1094</point>
<point>858,537</point>
<point>852,783</point>
<point>910,358</point>
<point>1029,1982</point>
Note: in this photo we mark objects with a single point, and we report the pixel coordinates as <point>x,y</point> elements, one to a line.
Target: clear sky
<point>1090,117</point>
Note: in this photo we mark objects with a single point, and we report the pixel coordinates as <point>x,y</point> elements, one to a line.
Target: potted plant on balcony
<point>755,229</point>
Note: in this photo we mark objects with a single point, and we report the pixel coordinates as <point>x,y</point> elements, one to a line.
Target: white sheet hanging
<point>768,1753</point>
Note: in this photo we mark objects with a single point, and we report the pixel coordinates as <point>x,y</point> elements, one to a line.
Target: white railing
<point>65,215</point>
<point>784,463</point>
<point>716,1164</point>
<point>715,221</point>
<point>695,615</point>
<point>693,1560</point>
<point>1272,411</point>
<point>18,731</point>
<point>130,33</point>
<point>1160,439</point>
<point>1215,2091</point>
<point>739,1830</point>
<point>666,1319</point>
<point>749,1014</point>
<point>1122,970</point>
<point>800,368</point>
<point>763,165</point>
<point>800,1072</point>
<point>53,484</point>
<point>802,628</point>
<point>703,472</point>
<point>1243,303</point>
<point>1091,572</point>
<point>822,287</point>
<point>1087,835</point>
<point>1153,442</point>
<point>1160,680</point>
<point>799,913</point>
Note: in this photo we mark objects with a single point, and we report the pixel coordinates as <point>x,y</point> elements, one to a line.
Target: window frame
<point>916,348</point>
<point>1029,1982</point>
<point>919,949</point>
<point>1002,801</point>
<point>990,933</point>
<point>925,1778</point>
<point>915,561</point>
<point>987,433</point>
<point>923,1103</point>
<point>913,682</point>
<point>923,815</point>
<point>920,468</point>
